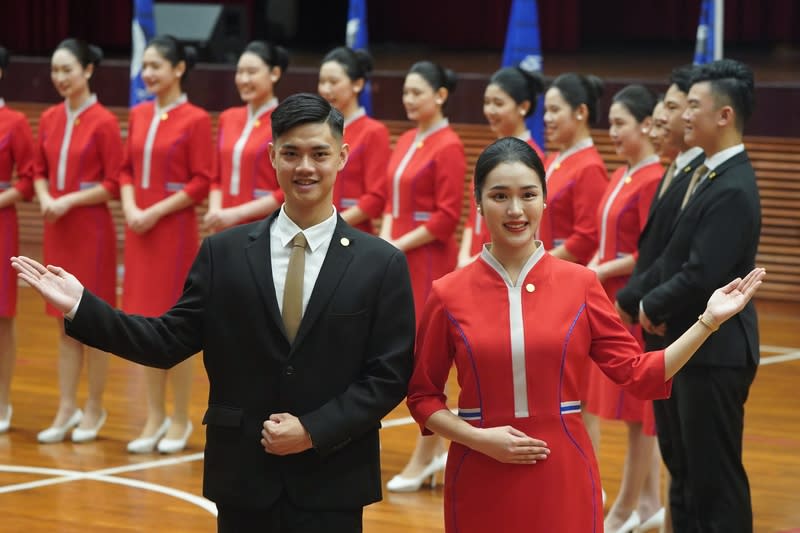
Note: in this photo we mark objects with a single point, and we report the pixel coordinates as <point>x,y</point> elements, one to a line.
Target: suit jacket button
<point>289,370</point>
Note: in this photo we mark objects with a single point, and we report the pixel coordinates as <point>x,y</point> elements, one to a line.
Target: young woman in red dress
<point>521,326</point>
<point>76,171</point>
<point>509,99</point>
<point>576,174</point>
<point>425,194</point>
<point>245,188</point>
<point>359,193</point>
<point>169,161</point>
<point>621,218</point>
<point>16,158</point>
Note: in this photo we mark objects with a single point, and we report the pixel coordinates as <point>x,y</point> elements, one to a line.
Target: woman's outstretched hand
<point>57,286</point>
<point>730,299</point>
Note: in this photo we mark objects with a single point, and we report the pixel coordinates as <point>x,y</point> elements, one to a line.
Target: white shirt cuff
<point>71,314</point>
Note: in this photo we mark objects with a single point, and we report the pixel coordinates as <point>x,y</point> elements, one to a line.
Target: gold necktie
<point>667,179</point>
<point>293,288</point>
<point>699,173</point>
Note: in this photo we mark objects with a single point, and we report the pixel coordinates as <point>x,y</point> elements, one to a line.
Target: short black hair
<point>681,77</point>
<point>306,108</point>
<point>578,89</point>
<point>520,85</point>
<point>356,63</point>
<point>506,150</point>
<point>4,57</point>
<point>733,84</point>
<point>637,99</point>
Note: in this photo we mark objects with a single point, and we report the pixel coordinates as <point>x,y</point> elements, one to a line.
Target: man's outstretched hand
<point>57,286</point>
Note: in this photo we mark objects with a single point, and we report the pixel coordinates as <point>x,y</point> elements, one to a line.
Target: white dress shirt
<point>281,234</point>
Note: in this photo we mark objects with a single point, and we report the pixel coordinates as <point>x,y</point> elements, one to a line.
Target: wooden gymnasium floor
<point>98,487</point>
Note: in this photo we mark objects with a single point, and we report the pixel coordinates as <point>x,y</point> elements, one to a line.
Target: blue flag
<point>523,49</point>
<point>356,38</point>
<point>142,30</point>
<point>709,32</point>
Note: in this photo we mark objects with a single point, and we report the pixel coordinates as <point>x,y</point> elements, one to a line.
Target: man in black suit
<point>295,403</point>
<point>657,231</point>
<point>714,238</point>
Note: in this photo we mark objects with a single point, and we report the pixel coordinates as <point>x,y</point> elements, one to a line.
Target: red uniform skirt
<point>84,243</point>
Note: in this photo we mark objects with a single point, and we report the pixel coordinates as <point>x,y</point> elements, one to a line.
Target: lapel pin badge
<point>344,241</point>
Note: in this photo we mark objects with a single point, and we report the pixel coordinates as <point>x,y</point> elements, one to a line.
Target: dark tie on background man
<point>293,288</point>
<point>699,173</point>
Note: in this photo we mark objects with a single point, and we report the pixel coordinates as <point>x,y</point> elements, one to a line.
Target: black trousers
<point>285,517</point>
<point>700,434</point>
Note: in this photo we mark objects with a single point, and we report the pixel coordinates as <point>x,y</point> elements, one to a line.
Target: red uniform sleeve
<point>618,355</point>
<point>376,157</point>
<point>215,183</point>
<point>111,152</point>
<point>22,149</point>
<point>589,188</point>
<point>451,166</point>
<point>126,168</point>
<point>40,167</point>
<point>433,358</point>
<point>202,159</point>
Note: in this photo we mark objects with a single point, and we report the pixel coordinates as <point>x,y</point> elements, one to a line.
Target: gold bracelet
<point>707,323</point>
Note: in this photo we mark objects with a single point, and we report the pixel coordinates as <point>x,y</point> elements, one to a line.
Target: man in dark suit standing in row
<point>664,209</point>
<point>307,332</point>
<point>714,238</point>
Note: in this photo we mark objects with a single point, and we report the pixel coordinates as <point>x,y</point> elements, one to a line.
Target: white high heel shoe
<point>148,444</point>
<point>57,433</point>
<point>89,434</point>
<point>5,422</point>
<point>631,524</point>
<point>410,484</point>
<point>175,445</point>
<point>654,522</point>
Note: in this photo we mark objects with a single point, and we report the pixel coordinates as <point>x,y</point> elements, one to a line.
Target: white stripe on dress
<point>238,148</point>
<point>613,196</point>
<point>516,325</point>
<point>61,172</point>
<point>421,136</point>
<point>147,156</point>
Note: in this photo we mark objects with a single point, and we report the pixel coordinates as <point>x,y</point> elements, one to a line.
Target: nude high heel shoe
<point>411,484</point>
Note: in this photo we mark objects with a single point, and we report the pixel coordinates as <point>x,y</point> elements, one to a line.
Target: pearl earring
<point>544,205</point>
<point>579,117</point>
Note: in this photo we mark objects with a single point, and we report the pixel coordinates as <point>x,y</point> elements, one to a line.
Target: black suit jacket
<point>654,237</point>
<point>714,240</point>
<point>348,367</point>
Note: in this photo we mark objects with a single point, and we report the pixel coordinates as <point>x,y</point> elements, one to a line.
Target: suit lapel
<point>259,258</point>
<point>713,176</point>
<point>333,268</point>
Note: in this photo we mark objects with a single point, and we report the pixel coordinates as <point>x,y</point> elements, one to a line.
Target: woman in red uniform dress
<point>425,194</point>
<point>576,175</point>
<point>244,187</point>
<point>16,153</point>
<point>169,161</point>
<point>521,326</point>
<point>621,217</point>
<point>359,193</point>
<point>509,99</point>
<point>77,166</point>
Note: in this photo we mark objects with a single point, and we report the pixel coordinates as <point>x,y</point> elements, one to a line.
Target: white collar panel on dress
<point>72,121</point>
<point>159,114</point>
<point>418,142</point>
